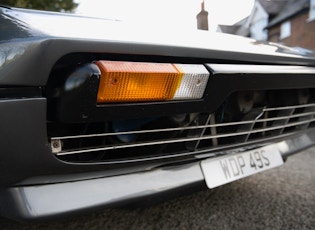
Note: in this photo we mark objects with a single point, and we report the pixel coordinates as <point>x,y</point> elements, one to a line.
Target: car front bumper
<point>44,201</point>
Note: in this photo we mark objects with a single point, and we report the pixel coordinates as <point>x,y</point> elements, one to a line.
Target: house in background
<point>238,28</point>
<point>290,22</point>
<point>202,18</point>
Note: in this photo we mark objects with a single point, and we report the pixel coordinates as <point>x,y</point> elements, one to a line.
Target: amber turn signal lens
<point>139,81</point>
<point>134,81</point>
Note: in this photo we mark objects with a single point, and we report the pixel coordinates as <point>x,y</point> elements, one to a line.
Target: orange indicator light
<point>143,81</point>
<point>137,81</point>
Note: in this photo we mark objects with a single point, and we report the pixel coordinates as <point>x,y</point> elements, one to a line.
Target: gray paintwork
<point>32,41</point>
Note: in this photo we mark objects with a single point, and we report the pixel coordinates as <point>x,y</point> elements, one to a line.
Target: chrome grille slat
<point>201,153</point>
<point>181,140</point>
<point>290,107</point>
<point>203,131</point>
<point>251,126</point>
<point>182,128</point>
<point>270,123</point>
<point>220,148</point>
<point>289,113</point>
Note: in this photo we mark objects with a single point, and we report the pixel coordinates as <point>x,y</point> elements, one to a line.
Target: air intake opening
<point>245,118</point>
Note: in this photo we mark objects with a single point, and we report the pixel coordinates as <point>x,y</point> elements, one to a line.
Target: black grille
<point>188,134</point>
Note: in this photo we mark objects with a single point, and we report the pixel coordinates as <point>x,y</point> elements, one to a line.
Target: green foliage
<point>51,5</point>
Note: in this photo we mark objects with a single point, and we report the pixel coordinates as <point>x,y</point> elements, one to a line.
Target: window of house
<point>312,10</point>
<point>285,30</point>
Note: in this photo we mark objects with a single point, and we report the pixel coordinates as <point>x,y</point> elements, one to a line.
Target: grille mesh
<point>260,125</point>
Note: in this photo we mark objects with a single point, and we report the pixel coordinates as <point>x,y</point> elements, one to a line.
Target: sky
<point>179,14</point>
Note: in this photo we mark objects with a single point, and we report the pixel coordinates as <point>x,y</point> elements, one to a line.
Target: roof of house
<point>289,9</point>
<point>238,28</point>
<point>272,7</point>
<point>278,10</point>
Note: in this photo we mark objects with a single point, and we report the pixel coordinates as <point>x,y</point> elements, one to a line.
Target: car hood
<point>42,23</point>
<point>28,36</point>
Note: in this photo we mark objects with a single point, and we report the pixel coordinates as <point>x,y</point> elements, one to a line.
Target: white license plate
<point>222,170</point>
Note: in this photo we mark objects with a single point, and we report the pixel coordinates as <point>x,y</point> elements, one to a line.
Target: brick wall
<point>302,32</point>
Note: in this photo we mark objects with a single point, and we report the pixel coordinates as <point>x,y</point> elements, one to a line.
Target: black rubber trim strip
<point>20,92</point>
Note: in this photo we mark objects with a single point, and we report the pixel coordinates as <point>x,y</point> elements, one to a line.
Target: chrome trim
<point>260,69</point>
<point>280,123</point>
<point>167,142</point>
<point>41,201</point>
<point>196,127</point>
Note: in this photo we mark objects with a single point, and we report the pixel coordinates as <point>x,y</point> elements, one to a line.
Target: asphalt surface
<point>282,198</point>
